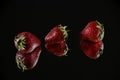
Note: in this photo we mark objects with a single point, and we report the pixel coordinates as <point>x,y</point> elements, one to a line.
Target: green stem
<point>20,64</point>
<point>20,42</point>
<point>65,32</point>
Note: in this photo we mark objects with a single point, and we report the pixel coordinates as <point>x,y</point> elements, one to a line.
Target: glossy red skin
<point>31,41</point>
<point>57,49</point>
<point>91,49</point>
<point>91,32</point>
<point>55,35</point>
<point>29,60</point>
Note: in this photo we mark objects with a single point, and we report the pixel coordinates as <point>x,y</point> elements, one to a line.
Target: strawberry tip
<point>66,50</point>
<point>101,50</point>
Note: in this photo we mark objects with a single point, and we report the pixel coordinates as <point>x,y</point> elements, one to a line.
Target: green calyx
<point>20,64</point>
<point>65,32</point>
<point>101,50</point>
<point>66,50</point>
<point>101,27</point>
<point>20,42</point>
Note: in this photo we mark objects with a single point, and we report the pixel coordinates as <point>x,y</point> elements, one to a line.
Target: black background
<point>38,17</point>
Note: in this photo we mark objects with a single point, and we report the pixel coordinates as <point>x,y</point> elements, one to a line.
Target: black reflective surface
<point>38,17</point>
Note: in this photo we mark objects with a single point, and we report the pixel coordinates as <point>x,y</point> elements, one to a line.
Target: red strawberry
<point>57,34</point>
<point>92,50</point>
<point>56,41</point>
<point>94,32</point>
<point>28,61</point>
<point>26,42</point>
<point>58,49</point>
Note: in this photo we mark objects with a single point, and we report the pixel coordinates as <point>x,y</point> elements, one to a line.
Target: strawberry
<point>92,50</point>
<point>94,32</point>
<point>26,42</point>
<point>56,41</point>
<point>29,50</point>
<point>58,49</point>
<point>28,61</point>
<point>57,34</point>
